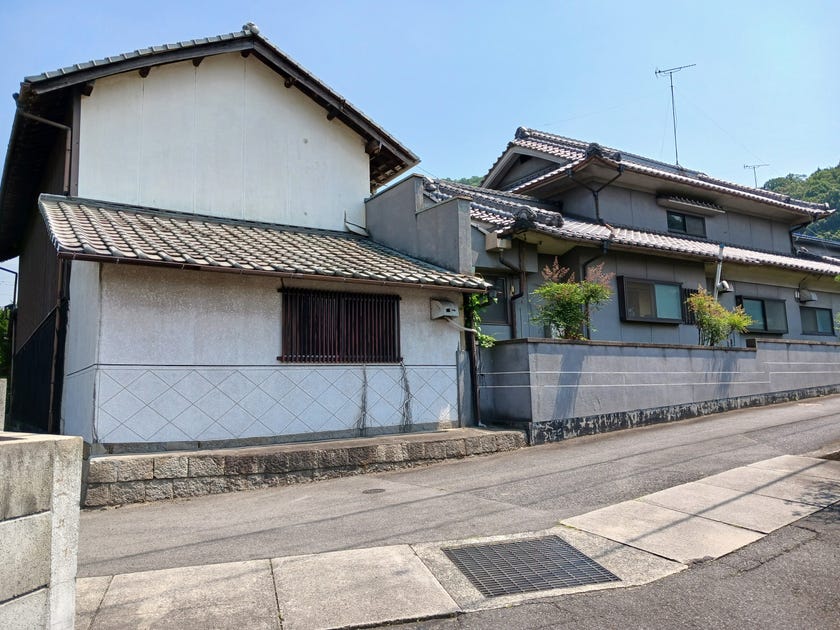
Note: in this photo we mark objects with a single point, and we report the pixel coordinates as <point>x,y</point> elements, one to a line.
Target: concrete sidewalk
<point>639,540</point>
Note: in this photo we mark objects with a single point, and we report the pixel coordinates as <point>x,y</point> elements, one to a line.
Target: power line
<point>671,72</point>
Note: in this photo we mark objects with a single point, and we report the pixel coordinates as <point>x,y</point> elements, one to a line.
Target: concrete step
<point>138,478</point>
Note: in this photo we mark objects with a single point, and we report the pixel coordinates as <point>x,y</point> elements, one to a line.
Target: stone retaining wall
<point>120,479</point>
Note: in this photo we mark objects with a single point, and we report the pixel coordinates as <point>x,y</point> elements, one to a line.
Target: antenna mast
<point>670,72</point>
<point>754,168</point>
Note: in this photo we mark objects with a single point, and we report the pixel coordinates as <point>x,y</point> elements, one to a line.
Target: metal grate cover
<point>524,566</point>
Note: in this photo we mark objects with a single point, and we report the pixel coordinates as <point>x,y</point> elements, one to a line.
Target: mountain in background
<point>821,186</point>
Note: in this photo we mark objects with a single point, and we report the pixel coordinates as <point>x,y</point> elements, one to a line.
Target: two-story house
<point>194,262</point>
<point>662,231</point>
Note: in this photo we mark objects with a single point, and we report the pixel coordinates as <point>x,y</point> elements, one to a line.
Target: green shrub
<point>713,320</point>
<point>566,305</point>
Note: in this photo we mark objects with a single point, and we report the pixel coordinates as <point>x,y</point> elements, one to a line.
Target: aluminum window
<point>679,223</point>
<point>816,321</point>
<point>650,301</point>
<point>333,327</point>
<point>498,311</point>
<point>768,315</point>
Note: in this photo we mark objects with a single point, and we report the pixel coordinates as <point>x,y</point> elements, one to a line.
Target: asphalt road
<point>786,581</point>
<point>522,491</point>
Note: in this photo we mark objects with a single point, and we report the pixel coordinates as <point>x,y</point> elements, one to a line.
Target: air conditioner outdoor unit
<point>495,243</point>
<point>443,308</point>
<point>804,295</point>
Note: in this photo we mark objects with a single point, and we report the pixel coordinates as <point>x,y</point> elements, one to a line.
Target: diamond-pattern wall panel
<point>165,403</point>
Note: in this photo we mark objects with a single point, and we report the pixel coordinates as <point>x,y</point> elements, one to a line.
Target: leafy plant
<point>713,320</point>
<point>565,304</point>
<point>475,302</point>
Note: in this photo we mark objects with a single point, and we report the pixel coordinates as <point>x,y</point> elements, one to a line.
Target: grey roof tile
<point>575,152</point>
<point>108,231</point>
<point>497,210</point>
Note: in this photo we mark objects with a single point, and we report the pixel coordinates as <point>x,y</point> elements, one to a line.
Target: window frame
<point>739,300</point>
<point>319,326</point>
<point>501,283</point>
<point>803,308</point>
<point>622,301</point>
<point>683,216</point>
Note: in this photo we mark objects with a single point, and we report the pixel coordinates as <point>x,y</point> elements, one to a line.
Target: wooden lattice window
<point>334,327</point>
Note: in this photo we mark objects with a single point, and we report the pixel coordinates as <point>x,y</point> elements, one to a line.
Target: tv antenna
<point>671,72</point>
<point>754,168</point>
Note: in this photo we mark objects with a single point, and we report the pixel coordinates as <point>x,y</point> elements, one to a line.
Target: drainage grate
<point>524,566</point>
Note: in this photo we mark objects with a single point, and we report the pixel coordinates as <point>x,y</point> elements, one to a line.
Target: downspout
<point>68,141</point>
<point>718,272</point>
<point>605,245</point>
<point>523,281</point>
<point>595,191</point>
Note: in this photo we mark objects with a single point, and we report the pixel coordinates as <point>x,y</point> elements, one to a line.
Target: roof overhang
<point>596,170</point>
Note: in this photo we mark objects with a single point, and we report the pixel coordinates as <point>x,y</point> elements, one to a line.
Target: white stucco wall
<point>192,356</point>
<point>82,350</point>
<point>224,139</point>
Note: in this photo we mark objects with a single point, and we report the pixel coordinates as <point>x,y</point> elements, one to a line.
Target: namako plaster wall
<point>192,356</point>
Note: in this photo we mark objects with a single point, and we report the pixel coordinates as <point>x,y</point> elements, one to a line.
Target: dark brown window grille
<point>688,315</point>
<point>333,327</point>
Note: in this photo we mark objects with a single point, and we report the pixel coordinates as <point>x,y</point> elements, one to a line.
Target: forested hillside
<point>821,186</point>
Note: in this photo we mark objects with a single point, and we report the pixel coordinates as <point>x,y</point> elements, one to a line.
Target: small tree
<point>714,322</point>
<point>566,305</point>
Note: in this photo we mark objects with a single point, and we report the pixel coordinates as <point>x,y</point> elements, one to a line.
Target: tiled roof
<point>97,230</point>
<point>46,95</point>
<point>498,210</point>
<point>573,153</point>
<point>389,158</point>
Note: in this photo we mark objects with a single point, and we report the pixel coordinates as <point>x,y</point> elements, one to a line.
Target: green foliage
<point>821,186</point>
<point>475,180</point>
<point>566,305</point>
<point>475,302</point>
<point>5,344</point>
<point>713,320</point>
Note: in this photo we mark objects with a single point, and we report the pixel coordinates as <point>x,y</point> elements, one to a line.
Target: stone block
<point>330,458</point>
<point>479,444</point>
<point>135,469</point>
<point>390,453</point>
<point>415,451</point>
<point>456,448</point>
<point>206,466</point>
<point>435,450</point>
<point>98,495</point>
<point>25,550</point>
<point>158,489</point>
<point>101,470</point>
<point>171,466</point>
<point>244,465</point>
<point>361,455</point>
<point>276,463</point>
<point>27,612</point>
<point>191,487</point>
<point>302,460</point>
<point>128,492</point>
<point>26,479</point>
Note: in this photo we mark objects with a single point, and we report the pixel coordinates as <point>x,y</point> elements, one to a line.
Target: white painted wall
<point>224,139</point>
<point>82,350</point>
<point>187,355</point>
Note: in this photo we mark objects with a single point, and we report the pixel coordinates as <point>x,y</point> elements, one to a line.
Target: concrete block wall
<point>40,483</point>
<point>561,389</point>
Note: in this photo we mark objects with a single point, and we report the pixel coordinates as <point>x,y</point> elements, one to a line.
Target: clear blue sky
<point>453,80</point>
